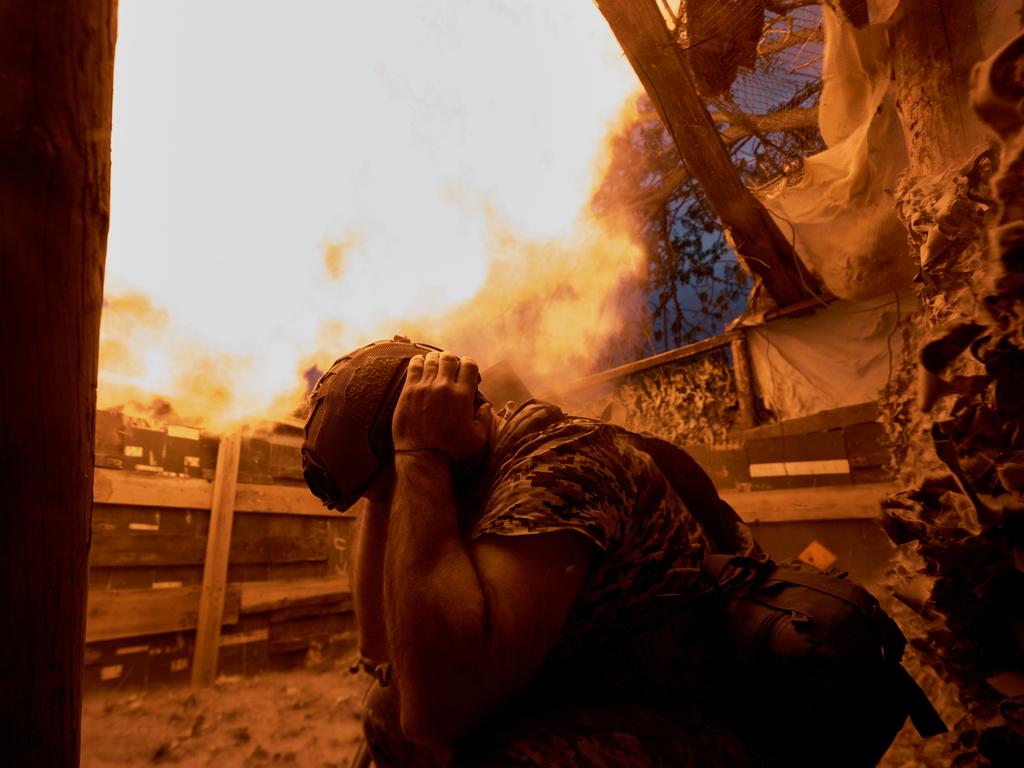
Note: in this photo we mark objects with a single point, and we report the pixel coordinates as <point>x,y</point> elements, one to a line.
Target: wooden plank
<point>846,502</point>
<point>638,366</point>
<point>123,613</point>
<point>215,569</point>
<point>274,595</point>
<point>298,635</point>
<point>123,548</point>
<point>865,445</point>
<point>834,418</point>
<point>808,446</point>
<point>311,547</point>
<point>310,611</point>
<point>112,486</point>
<point>747,416</point>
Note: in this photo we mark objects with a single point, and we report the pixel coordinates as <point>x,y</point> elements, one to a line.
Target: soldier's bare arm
<point>468,627</point>
<point>368,578</point>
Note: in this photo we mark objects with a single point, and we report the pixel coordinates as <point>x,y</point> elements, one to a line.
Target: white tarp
<point>841,211</point>
<point>837,356</point>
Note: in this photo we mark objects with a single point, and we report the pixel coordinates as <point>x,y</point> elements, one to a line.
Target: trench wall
<point>288,600</point>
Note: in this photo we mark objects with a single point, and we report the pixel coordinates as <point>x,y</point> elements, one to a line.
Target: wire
<point>803,281</point>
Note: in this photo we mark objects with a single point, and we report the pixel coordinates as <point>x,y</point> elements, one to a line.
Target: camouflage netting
<point>688,402</point>
<point>945,217</point>
<point>719,37</point>
<point>961,528</point>
<point>691,402</point>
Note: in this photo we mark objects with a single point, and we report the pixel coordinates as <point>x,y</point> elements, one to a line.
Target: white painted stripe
<point>801,468</point>
<point>111,673</point>
<point>127,650</point>
<point>186,432</point>
<point>166,584</point>
<point>238,638</point>
<point>768,470</point>
<point>144,526</point>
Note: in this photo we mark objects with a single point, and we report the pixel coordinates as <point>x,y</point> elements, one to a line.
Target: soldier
<point>505,562</point>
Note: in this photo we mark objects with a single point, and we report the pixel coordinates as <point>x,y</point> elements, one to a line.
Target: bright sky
<point>248,135</point>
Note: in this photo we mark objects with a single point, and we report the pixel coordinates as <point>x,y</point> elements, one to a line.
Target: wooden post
<point>215,568</point>
<point>934,44</point>
<point>744,384</point>
<point>645,38</point>
<point>56,77</point>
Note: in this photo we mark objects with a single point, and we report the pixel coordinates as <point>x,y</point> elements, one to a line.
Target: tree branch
<point>775,44</point>
<point>784,7</point>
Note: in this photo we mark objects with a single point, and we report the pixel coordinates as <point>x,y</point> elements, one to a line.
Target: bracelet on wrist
<point>382,672</point>
<point>428,450</point>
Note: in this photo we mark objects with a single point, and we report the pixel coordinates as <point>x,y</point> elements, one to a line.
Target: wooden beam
<point>56,77</point>
<point>807,306</point>
<point>281,499</point>
<point>118,549</point>
<point>273,595</point>
<point>834,418</point>
<point>790,505</point>
<point>744,383</point>
<point>638,366</point>
<point>117,486</point>
<point>215,570</point>
<point>935,44</point>
<point>300,634</point>
<point>657,60</point>
<point>116,613</point>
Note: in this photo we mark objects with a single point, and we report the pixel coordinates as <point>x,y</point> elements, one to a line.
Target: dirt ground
<point>307,718</point>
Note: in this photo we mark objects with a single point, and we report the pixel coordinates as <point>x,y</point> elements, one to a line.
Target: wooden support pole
<point>639,366</point>
<point>215,569</point>
<point>744,384</point>
<point>934,44</point>
<point>56,80</point>
<point>657,60</point>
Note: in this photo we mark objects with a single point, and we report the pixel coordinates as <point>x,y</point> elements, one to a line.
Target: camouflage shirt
<point>552,473</point>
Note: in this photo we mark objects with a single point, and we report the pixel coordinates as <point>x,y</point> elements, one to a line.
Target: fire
<point>291,187</point>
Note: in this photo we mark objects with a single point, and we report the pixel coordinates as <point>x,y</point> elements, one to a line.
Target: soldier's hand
<point>435,410</point>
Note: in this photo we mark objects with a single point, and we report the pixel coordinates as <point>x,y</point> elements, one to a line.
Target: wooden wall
<point>288,596</point>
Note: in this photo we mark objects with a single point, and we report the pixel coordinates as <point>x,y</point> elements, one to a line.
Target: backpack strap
<point>719,521</point>
<point>714,566</point>
<point>922,712</point>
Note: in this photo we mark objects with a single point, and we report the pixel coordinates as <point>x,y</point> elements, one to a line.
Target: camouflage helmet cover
<point>348,431</point>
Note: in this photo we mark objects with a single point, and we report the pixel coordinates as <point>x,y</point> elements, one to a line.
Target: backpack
<point>813,661</point>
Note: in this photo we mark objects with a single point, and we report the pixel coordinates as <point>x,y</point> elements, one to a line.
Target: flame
<point>288,188</point>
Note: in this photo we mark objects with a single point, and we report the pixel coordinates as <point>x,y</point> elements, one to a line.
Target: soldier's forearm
<point>368,580</point>
<point>435,609</point>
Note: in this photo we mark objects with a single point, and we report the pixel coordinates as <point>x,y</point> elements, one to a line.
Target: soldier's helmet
<point>348,431</point>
